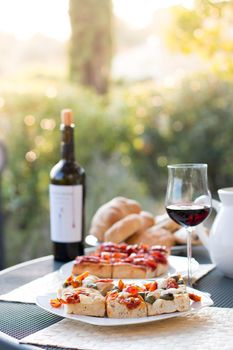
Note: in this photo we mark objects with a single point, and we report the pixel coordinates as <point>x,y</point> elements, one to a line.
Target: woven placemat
<point>210,328</point>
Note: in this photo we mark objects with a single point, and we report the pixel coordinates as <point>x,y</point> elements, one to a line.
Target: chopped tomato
<point>118,255</point>
<point>144,247</point>
<point>159,257</point>
<point>171,283</point>
<point>55,302</point>
<point>72,298</point>
<point>194,297</point>
<point>131,302</point>
<point>121,284</point>
<point>122,247</point>
<point>106,256</point>
<point>89,258</point>
<point>151,263</point>
<point>139,261</point>
<point>132,290</point>
<point>151,286</point>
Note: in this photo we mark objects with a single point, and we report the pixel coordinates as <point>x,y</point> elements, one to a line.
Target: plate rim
<point>101,321</point>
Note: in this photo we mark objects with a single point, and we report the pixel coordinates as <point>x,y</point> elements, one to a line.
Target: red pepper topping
<point>55,302</point>
<point>121,285</point>
<point>194,297</point>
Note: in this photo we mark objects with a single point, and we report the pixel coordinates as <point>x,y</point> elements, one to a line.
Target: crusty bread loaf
<point>124,228</point>
<point>181,236</point>
<point>148,220</point>
<point>111,212</point>
<point>170,225</point>
<point>153,236</point>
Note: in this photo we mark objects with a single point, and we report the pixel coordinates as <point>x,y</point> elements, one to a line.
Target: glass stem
<point>189,255</point>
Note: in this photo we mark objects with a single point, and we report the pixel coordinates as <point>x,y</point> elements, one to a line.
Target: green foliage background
<point>124,141</point>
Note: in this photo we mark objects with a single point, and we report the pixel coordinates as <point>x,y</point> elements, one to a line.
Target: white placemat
<point>52,281</point>
<point>211,328</point>
<point>28,292</point>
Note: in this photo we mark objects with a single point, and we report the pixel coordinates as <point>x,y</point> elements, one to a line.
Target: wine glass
<point>188,200</point>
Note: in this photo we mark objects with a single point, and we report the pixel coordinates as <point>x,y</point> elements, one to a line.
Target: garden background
<point>149,82</point>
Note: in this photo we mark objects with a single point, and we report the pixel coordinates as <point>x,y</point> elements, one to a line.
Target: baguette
<point>155,235</point>
<point>124,228</point>
<point>111,212</point>
<point>148,220</point>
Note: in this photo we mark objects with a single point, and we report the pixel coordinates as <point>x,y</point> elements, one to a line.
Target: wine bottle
<point>67,197</point>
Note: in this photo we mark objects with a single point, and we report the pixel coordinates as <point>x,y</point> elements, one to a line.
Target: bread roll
<point>111,212</point>
<point>148,220</point>
<point>153,236</point>
<point>124,228</point>
<point>170,225</point>
<point>181,237</point>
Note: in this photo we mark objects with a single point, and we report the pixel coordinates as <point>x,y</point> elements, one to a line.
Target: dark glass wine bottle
<point>67,197</point>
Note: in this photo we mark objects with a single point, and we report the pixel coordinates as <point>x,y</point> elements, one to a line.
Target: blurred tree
<point>206,30</point>
<point>91,43</point>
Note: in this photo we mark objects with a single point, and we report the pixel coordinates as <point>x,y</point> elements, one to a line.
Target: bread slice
<point>181,302</point>
<point>126,270</point>
<point>90,302</point>
<point>102,270</point>
<point>117,308</point>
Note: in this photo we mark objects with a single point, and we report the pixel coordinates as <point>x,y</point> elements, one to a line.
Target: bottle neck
<point>67,142</point>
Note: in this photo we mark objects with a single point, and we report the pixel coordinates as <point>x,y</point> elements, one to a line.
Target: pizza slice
<point>94,264</point>
<point>125,302</point>
<point>83,295</point>
<point>166,296</point>
<point>84,301</point>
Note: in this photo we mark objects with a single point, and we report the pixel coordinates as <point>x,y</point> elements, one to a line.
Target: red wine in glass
<point>188,199</point>
<point>188,215</point>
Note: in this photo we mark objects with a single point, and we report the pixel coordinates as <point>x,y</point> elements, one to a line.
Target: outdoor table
<point>18,320</point>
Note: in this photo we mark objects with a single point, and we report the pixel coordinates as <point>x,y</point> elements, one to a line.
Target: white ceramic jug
<point>220,240</point>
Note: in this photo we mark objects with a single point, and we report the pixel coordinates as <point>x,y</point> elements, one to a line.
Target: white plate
<point>43,302</point>
<point>177,264</point>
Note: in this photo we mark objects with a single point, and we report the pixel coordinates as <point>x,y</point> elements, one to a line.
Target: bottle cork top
<point>67,117</point>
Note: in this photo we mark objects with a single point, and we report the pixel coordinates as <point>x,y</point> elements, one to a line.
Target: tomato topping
<point>118,255</point>
<point>194,297</point>
<point>151,263</point>
<point>72,298</point>
<point>132,290</point>
<point>144,248</point>
<point>151,286</point>
<point>105,255</point>
<point>121,285</point>
<point>55,302</point>
<point>109,247</point>
<point>130,302</point>
<point>122,247</point>
<point>171,283</point>
<point>159,257</point>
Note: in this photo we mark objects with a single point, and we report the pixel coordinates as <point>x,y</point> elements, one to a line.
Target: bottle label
<point>66,213</point>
